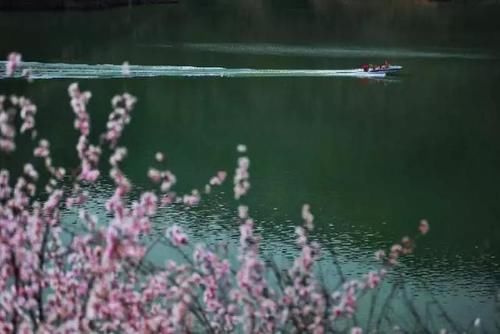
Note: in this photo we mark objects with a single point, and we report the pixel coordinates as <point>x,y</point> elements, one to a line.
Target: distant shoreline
<point>321,5</point>
<point>27,5</point>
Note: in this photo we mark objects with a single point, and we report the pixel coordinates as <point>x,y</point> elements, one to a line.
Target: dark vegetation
<point>75,4</point>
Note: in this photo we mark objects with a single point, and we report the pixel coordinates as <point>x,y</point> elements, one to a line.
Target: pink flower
<point>165,186</point>
<point>30,171</point>
<point>117,156</point>
<point>192,199</point>
<point>380,254</point>
<point>396,248</point>
<point>356,330</point>
<point>13,62</point>
<point>154,175</point>
<point>337,311</point>
<point>221,175</point>
<point>241,178</point>
<point>53,200</point>
<point>373,279</point>
<point>218,179</point>
<point>176,236</point>
<point>159,156</point>
<point>149,202</point>
<point>307,216</point>
<point>126,68</point>
<point>7,145</point>
<point>42,150</point>
<point>244,163</point>
<point>301,235</point>
<point>423,227</point>
<point>241,148</point>
<point>89,174</point>
<point>179,312</point>
<point>243,211</point>
<point>73,90</point>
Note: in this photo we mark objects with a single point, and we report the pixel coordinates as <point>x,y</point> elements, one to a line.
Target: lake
<point>372,157</point>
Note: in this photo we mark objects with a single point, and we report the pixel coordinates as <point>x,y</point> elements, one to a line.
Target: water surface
<point>372,157</point>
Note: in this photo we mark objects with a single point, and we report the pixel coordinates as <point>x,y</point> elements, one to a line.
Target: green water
<point>372,157</point>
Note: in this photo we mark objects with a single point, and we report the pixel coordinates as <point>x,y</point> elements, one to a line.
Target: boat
<point>387,69</point>
<point>384,68</point>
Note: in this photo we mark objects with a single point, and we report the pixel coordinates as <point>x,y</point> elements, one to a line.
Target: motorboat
<point>384,68</point>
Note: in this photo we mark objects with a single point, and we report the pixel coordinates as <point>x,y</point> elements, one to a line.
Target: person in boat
<point>365,67</point>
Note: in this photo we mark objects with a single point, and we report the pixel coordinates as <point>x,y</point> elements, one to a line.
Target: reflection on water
<point>371,159</point>
<point>322,51</point>
<point>215,222</point>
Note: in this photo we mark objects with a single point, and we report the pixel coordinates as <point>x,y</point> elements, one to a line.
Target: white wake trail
<point>40,70</point>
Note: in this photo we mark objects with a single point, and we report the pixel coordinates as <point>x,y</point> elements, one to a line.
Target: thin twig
<point>372,307</point>
<point>414,311</point>
<point>385,306</point>
<point>337,266</point>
